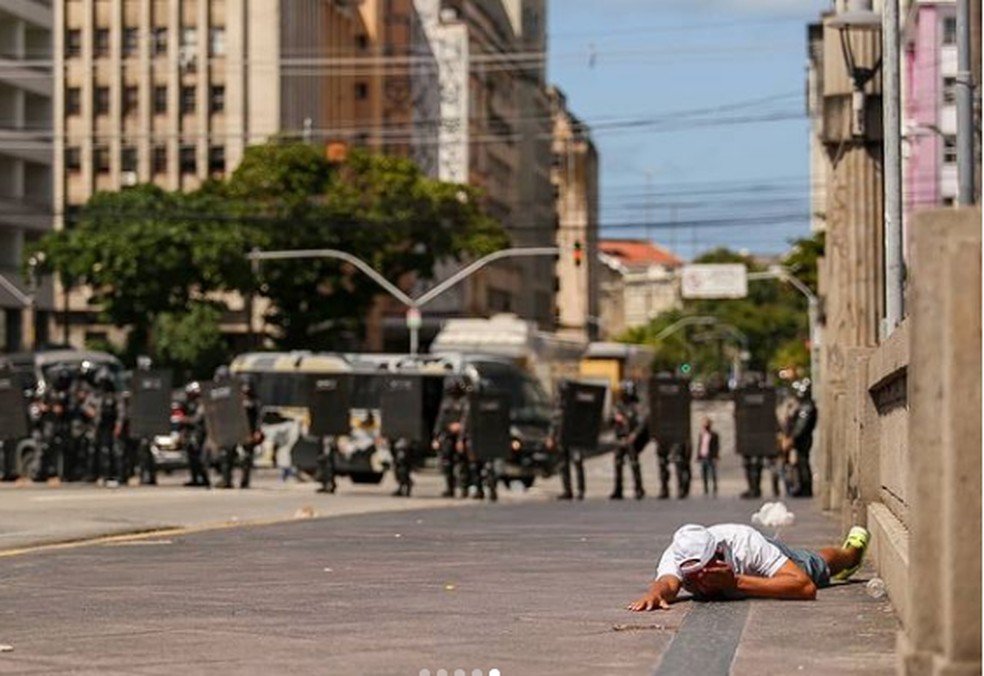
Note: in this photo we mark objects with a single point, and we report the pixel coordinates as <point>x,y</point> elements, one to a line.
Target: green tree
<point>150,257</point>
<point>191,342</point>
<point>380,209</point>
<point>769,322</point>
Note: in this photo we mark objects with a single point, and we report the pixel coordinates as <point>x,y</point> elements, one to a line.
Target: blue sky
<point>698,113</point>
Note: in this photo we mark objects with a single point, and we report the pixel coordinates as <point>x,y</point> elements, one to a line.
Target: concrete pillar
<point>851,284</point>
<point>942,625</point>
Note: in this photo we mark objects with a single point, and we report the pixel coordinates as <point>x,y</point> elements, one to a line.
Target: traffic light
<point>578,253</point>
<point>685,369</point>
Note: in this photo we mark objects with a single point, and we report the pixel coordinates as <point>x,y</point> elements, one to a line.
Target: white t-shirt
<point>753,554</point>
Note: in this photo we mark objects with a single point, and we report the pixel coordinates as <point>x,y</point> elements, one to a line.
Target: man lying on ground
<point>732,561</point>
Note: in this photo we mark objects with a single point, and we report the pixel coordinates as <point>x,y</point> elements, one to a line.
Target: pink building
<point>929,115</point>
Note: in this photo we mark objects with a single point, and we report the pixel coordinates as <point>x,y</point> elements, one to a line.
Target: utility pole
<point>965,108</point>
<point>892,158</point>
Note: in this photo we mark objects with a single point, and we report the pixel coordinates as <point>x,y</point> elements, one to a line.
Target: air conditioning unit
<point>128,179</point>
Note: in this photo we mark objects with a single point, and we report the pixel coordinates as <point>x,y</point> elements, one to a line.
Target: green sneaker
<point>857,538</point>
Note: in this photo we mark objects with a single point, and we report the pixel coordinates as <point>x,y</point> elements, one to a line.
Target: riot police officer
<point>803,422</point>
<point>404,457</point>
<point>54,427</point>
<point>568,456</point>
<point>449,436</point>
<point>104,410</point>
<point>192,429</point>
<point>251,404</point>
<point>676,455</point>
<point>632,435</point>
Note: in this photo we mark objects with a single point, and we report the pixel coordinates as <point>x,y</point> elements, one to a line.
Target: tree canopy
<point>771,323</point>
<point>152,257</point>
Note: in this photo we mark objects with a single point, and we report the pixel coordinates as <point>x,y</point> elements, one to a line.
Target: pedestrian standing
<point>708,451</point>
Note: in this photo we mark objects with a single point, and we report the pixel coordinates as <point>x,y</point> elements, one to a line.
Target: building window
<point>128,158</point>
<point>949,149</point>
<point>949,30</point>
<point>159,159</point>
<point>189,38</point>
<point>100,159</point>
<point>216,99</point>
<point>362,42</point>
<point>160,41</point>
<point>102,42</point>
<point>73,43</point>
<point>188,160</point>
<point>160,100</point>
<point>216,160</point>
<point>131,41</point>
<point>73,159</point>
<point>361,90</point>
<point>187,100</point>
<point>102,100</point>
<point>130,100</point>
<point>216,41</point>
<point>949,90</point>
<point>73,101</point>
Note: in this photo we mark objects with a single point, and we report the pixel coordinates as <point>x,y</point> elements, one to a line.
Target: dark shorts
<point>809,561</point>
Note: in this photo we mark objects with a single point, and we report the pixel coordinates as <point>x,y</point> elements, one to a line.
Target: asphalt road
<point>527,586</point>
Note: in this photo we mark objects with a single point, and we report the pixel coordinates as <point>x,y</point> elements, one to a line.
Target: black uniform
<point>55,426</point>
<point>804,421</point>
<point>244,453</point>
<point>632,435</point>
<point>405,455</point>
<point>193,437</point>
<point>104,408</point>
<point>568,456</point>
<point>449,440</point>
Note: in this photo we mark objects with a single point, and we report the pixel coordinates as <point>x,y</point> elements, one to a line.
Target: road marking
<point>707,640</point>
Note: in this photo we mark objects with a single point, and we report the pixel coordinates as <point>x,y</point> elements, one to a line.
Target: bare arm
<point>662,592</point>
<point>790,582</point>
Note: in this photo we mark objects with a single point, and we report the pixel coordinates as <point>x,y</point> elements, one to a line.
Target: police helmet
<point>249,385</point>
<point>803,388</point>
<point>62,378</point>
<point>456,386</point>
<point>105,380</point>
<point>193,389</point>
<point>627,391</point>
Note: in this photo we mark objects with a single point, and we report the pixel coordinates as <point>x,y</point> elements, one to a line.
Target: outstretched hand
<point>649,602</point>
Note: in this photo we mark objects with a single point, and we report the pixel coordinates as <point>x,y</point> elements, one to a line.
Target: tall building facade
<point>172,91</point>
<point>575,184</point>
<point>26,126</point>
<point>930,106</point>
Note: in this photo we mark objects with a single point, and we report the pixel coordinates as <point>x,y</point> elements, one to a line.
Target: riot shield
<point>582,405</point>
<point>756,425</point>
<point>402,408</point>
<point>329,401</point>
<point>13,407</point>
<point>488,425</point>
<point>150,404</point>
<point>669,411</point>
<point>225,415</point>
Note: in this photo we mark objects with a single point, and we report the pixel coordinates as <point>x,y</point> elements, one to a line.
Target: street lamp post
<point>413,305</point>
<point>812,309</point>
<point>860,17</point>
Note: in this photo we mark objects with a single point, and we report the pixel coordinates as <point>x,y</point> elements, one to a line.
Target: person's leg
<point>663,461</point>
<point>636,473</point>
<point>705,471</point>
<point>579,468</point>
<point>619,467</point>
<point>845,560</point>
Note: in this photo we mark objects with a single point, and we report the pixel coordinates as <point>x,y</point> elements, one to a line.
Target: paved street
<point>528,586</point>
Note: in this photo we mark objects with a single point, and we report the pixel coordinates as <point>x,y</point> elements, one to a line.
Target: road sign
<point>725,280</point>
